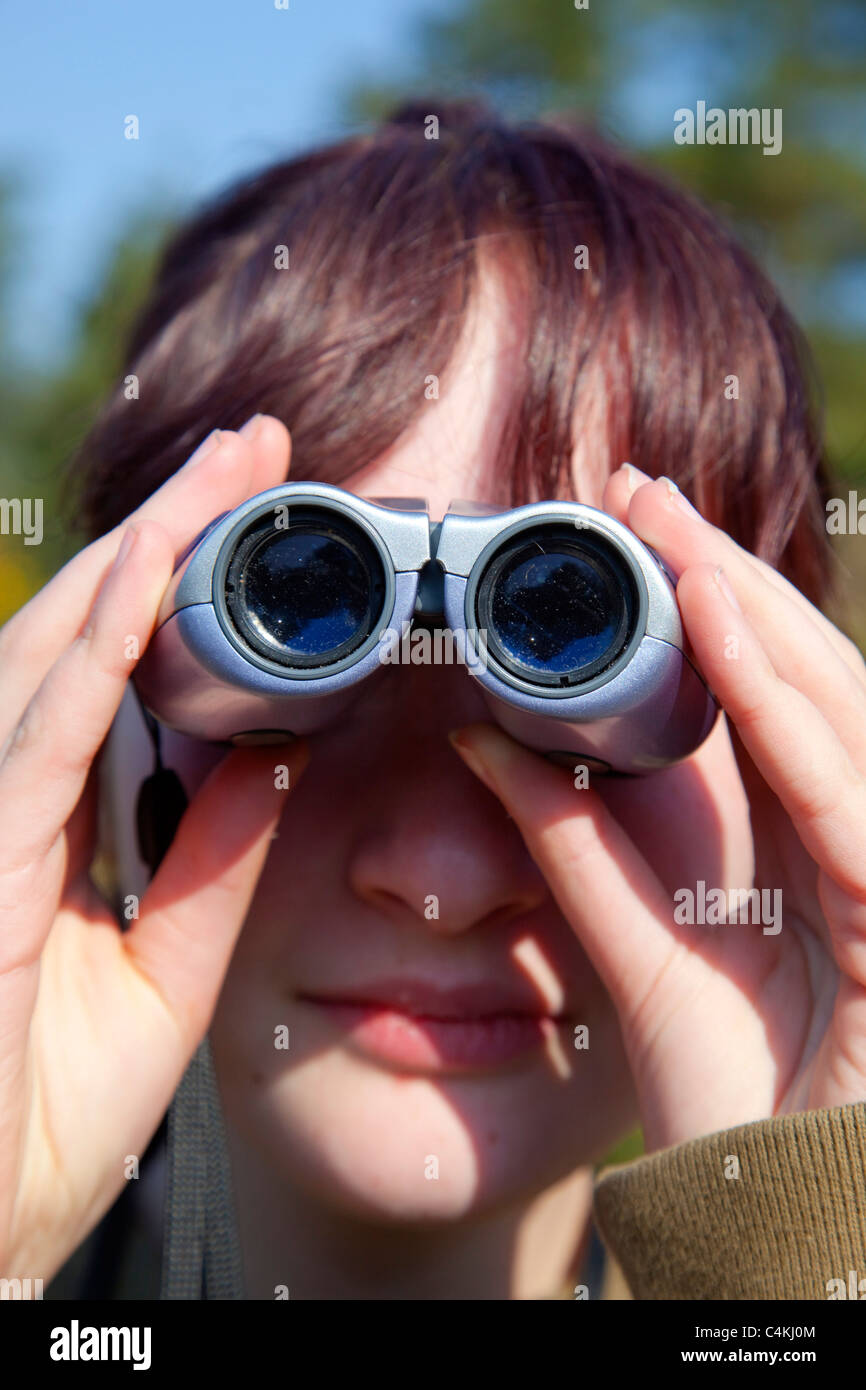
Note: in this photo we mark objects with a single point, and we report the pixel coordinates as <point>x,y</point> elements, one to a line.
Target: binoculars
<point>282,609</point>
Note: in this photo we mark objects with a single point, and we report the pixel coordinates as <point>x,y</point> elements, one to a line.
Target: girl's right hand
<point>97,1025</point>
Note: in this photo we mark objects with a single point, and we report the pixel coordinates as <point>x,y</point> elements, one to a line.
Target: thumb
<point>193,911</point>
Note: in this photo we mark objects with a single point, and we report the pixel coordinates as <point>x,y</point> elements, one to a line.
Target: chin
<point>396,1148</point>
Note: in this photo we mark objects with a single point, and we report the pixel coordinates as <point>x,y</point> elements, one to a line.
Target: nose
<point>437,850</point>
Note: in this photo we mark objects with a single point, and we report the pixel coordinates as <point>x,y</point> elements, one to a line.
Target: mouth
<point>412,1026</point>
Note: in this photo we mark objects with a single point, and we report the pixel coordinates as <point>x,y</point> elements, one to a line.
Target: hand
<point>722,1025</point>
<point>98,1026</point>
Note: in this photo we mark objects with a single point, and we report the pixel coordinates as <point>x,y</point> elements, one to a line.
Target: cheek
<point>301,885</point>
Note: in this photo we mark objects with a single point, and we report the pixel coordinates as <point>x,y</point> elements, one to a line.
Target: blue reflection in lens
<point>307,592</point>
<point>555,612</point>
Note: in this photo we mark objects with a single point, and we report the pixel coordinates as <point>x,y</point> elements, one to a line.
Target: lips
<point>418,1026</point>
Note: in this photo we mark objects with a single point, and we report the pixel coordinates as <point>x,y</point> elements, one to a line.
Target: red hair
<point>670,337</point>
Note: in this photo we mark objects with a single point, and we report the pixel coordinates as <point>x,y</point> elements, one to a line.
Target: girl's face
<point>397,881</point>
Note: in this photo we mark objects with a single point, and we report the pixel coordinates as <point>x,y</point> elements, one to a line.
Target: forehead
<point>452,449</point>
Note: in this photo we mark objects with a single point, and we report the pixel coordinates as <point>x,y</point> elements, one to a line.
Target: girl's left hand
<point>724,1026</point>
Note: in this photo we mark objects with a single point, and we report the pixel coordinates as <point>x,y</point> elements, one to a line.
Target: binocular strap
<point>201,1252</point>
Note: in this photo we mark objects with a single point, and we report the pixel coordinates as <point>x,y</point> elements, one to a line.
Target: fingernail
<point>634,479</point>
<point>471,757</point>
<point>127,541</point>
<point>206,447</point>
<point>679,500</point>
<point>251,428</point>
<point>722,580</point>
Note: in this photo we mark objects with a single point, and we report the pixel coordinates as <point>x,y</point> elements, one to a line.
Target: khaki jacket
<point>770,1210</point>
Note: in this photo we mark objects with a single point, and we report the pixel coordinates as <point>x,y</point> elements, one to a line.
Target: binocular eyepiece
<point>282,608</point>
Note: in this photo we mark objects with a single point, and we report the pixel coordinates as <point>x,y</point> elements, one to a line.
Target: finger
<point>665,518</point>
<point>604,887</point>
<point>805,649</point>
<point>80,831</point>
<point>225,470</point>
<point>620,488</point>
<point>792,743</point>
<point>45,762</point>
<point>193,911</point>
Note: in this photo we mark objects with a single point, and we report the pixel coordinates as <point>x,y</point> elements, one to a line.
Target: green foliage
<point>627,1149</point>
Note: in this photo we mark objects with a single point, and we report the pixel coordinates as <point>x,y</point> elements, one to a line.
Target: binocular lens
<point>308,594</point>
<point>557,609</point>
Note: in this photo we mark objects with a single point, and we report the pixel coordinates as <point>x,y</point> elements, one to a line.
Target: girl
<point>502,315</point>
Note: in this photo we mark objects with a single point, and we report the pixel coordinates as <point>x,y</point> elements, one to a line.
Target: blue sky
<point>219,86</point>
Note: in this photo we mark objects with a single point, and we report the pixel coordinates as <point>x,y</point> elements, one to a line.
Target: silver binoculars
<point>280,610</point>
